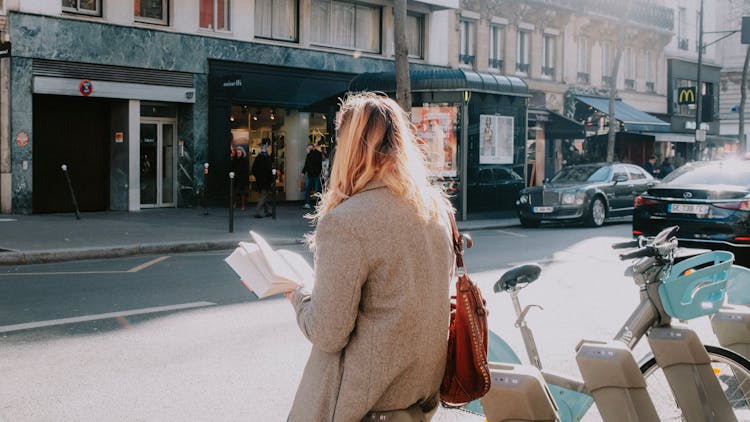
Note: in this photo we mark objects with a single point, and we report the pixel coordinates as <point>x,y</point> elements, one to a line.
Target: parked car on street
<point>709,200</point>
<point>493,189</point>
<point>587,192</point>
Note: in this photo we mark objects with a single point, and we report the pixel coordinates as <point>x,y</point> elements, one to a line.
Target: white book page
<point>299,266</point>
<point>249,273</point>
<point>277,266</point>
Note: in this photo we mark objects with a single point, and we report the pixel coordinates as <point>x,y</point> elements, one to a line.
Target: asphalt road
<point>179,338</point>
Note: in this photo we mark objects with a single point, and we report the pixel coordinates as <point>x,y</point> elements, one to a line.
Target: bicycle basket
<point>691,294</point>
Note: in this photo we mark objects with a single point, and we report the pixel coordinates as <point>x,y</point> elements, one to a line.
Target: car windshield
<point>712,173</point>
<point>582,174</point>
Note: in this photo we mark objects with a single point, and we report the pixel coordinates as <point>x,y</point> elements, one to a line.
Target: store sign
<point>686,95</point>
<point>5,49</point>
<point>232,82</point>
<point>85,87</point>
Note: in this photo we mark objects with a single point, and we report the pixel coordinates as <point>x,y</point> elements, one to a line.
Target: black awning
<point>558,126</point>
<point>633,119</point>
<point>443,80</point>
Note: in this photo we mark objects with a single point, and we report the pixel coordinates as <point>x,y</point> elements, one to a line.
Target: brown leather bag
<point>467,375</point>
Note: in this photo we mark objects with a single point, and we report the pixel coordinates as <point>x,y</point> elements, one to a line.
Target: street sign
<point>745,33</point>
<point>700,135</point>
<point>686,95</point>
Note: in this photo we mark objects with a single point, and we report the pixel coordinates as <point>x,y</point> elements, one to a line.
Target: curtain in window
<point>263,14</point>
<point>152,9</point>
<point>320,11</point>
<point>414,35</point>
<point>87,4</point>
<point>367,28</point>
<point>206,13</point>
<point>69,3</point>
<point>342,28</point>
<point>285,19</point>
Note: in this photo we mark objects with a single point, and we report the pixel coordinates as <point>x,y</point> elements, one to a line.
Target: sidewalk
<point>33,239</point>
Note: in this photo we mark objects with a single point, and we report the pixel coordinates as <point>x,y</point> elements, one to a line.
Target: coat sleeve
<point>327,316</point>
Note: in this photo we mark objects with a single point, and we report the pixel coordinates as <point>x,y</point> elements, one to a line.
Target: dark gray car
<point>585,192</point>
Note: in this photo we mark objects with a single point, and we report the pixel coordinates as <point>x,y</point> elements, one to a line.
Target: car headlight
<point>568,198</point>
<point>524,199</point>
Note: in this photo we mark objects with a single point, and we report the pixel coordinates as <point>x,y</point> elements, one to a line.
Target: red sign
<point>22,139</point>
<point>86,87</point>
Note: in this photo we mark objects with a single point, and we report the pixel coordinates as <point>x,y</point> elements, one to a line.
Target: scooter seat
<point>518,277</point>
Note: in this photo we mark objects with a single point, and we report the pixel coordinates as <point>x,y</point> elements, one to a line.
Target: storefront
<point>283,108</point>
<point>473,127</point>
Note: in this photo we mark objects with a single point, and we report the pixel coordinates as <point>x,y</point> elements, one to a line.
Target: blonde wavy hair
<point>376,141</point>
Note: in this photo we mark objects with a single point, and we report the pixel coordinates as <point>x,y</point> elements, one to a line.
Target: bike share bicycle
<point>686,379</point>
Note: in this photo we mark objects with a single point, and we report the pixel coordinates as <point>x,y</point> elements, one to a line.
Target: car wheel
<point>597,213</point>
<point>528,223</point>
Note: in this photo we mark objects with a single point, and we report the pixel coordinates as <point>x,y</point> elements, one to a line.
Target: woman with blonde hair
<point>377,317</point>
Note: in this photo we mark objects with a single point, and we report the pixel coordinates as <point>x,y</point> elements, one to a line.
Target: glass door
<point>157,163</point>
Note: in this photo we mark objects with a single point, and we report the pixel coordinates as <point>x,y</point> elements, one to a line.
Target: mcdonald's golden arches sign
<point>686,95</point>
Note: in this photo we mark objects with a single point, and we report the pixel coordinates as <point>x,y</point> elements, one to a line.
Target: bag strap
<point>458,245</point>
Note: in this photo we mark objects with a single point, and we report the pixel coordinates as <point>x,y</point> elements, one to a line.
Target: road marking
<point>511,233</point>
<point>96,317</point>
<point>7,220</point>
<point>132,270</point>
<point>147,264</point>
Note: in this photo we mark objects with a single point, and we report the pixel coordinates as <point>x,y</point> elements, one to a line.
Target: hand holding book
<point>267,272</point>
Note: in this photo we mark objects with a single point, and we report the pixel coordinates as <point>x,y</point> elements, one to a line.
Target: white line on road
<point>147,264</point>
<point>95,317</point>
<point>511,233</point>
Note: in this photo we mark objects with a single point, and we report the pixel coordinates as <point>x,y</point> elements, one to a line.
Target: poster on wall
<point>436,131</point>
<point>495,139</point>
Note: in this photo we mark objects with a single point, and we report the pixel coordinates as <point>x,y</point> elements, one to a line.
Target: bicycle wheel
<point>732,370</point>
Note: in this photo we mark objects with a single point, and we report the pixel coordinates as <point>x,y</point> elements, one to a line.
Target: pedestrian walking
<point>650,166</point>
<point>665,168</point>
<point>311,172</point>
<point>378,314</point>
<point>264,180</point>
<point>241,169</point>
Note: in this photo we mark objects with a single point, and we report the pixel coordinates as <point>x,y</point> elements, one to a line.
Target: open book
<point>267,272</point>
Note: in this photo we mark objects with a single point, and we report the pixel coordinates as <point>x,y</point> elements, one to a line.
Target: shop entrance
<point>71,131</point>
<point>157,162</point>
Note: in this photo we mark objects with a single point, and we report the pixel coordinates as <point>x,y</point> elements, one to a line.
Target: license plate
<point>541,210</point>
<point>688,209</point>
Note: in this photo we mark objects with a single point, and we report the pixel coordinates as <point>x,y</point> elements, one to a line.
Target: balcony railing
<point>643,13</point>
<point>606,80</point>
<point>583,78</point>
<point>497,64</point>
<point>650,87</point>
<point>683,44</point>
<point>629,84</point>
<point>522,67</point>
<point>548,71</point>
<point>466,59</point>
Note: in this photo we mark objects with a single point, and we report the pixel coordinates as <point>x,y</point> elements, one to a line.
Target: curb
<point>74,254</point>
<point>60,255</point>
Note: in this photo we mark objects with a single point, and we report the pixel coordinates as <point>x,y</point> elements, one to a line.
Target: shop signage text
<point>5,49</point>
<point>232,82</point>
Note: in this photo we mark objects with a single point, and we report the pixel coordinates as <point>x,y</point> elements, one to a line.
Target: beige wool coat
<point>378,314</point>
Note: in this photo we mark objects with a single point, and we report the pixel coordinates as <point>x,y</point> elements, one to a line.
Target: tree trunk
<point>743,97</point>
<point>613,125</point>
<point>401,48</point>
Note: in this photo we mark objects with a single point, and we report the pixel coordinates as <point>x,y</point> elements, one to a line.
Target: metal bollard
<point>231,202</point>
<point>70,189</point>
<point>205,189</point>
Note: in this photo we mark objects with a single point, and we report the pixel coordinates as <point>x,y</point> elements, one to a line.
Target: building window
<point>497,41</point>
<point>214,15</point>
<point>86,7</point>
<point>345,25</point>
<point>583,60</point>
<point>682,41</point>
<point>415,35</point>
<point>628,71</point>
<point>522,51</point>
<point>467,38</point>
<point>151,11</point>
<point>650,71</point>
<point>276,19</point>
<point>548,53</point>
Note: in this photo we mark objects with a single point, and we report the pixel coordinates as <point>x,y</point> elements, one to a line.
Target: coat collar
<point>373,184</point>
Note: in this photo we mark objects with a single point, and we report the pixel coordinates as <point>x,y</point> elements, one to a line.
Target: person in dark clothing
<point>650,166</point>
<point>311,171</point>
<point>665,168</point>
<point>263,172</point>
<point>241,169</point>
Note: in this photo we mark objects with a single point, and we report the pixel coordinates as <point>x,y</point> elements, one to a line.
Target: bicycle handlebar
<point>644,251</point>
<point>626,245</point>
